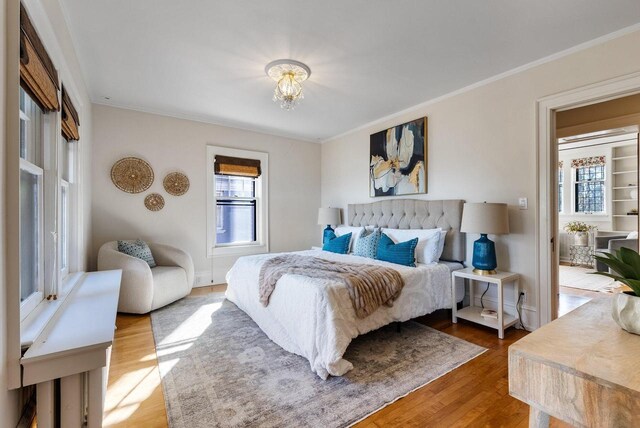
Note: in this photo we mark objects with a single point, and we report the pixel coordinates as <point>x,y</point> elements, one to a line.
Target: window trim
<point>566,155</point>
<point>262,206</point>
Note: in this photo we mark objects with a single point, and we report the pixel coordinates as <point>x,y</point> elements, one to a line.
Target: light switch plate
<point>523,203</point>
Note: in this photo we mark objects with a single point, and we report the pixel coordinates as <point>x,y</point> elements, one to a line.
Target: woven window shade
<point>70,120</point>
<point>38,76</point>
<point>228,165</point>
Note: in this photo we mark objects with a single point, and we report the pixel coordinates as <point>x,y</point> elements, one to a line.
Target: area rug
<point>220,370</point>
<point>583,278</point>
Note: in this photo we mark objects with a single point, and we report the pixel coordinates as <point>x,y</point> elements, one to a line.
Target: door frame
<point>547,245</point>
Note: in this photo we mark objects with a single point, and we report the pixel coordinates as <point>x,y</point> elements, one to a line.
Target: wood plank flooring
<point>572,298</point>
<point>474,395</point>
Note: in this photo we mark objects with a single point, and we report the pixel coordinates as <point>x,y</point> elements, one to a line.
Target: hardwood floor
<point>134,392</point>
<point>572,298</point>
<point>475,394</point>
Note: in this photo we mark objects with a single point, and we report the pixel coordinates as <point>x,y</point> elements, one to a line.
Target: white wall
<point>170,144</point>
<point>48,19</point>
<point>482,147</point>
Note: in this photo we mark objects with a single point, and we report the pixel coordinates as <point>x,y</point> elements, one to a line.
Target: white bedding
<point>315,318</point>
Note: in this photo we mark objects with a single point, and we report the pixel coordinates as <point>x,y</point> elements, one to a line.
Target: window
<point>237,202</point>
<point>236,210</point>
<point>67,224</point>
<point>560,187</point>
<point>590,189</point>
<point>65,163</point>
<point>31,203</point>
<point>47,204</point>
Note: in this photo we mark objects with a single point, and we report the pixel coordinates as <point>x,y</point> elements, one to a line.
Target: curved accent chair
<point>144,289</point>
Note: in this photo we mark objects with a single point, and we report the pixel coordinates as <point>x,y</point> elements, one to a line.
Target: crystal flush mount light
<point>289,75</point>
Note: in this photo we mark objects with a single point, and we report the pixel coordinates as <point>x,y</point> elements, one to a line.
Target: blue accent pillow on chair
<point>367,243</point>
<point>139,249</point>
<point>337,244</point>
<point>402,253</point>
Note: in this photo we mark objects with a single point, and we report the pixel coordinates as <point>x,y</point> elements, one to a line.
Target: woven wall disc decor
<point>176,183</point>
<point>132,175</point>
<point>154,202</point>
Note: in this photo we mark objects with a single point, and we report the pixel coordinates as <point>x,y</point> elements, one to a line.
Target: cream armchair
<point>144,289</point>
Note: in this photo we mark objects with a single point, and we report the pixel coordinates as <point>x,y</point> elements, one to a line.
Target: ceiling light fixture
<point>289,75</point>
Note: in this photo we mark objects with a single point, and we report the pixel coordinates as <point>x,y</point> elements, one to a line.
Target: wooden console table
<point>581,368</point>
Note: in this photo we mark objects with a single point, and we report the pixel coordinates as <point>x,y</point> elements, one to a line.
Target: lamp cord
<point>520,312</point>
<point>481,297</point>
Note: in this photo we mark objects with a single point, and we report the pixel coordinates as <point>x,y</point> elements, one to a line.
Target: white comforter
<point>315,318</point>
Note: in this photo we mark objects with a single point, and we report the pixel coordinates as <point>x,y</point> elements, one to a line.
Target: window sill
<point>584,217</point>
<point>37,320</point>
<point>77,338</point>
<point>237,250</point>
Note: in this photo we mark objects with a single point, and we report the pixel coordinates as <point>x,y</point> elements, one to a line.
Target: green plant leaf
<point>610,275</point>
<point>625,262</point>
<point>634,284</point>
<point>618,265</point>
<point>632,259</point>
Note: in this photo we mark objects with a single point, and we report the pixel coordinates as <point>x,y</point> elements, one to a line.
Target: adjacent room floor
<point>578,285</point>
<point>475,394</point>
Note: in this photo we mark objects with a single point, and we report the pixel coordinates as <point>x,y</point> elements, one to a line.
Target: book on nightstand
<point>488,313</point>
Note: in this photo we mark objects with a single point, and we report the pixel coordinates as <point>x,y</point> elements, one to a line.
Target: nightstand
<point>472,313</point>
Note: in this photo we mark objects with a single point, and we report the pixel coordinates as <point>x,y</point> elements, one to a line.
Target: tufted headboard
<point>415,214</point>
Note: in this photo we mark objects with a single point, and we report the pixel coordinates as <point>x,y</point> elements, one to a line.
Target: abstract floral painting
<point>398,160</point>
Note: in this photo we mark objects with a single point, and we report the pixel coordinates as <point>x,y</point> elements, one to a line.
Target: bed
<point>314,318</point>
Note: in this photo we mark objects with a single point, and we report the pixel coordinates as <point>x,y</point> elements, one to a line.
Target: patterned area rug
<point>584,279</point>
<point>220,370</point>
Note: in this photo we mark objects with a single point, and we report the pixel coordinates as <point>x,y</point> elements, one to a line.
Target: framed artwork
<point>398,160</point>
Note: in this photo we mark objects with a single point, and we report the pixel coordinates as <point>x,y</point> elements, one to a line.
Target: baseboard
<point>204,278</point>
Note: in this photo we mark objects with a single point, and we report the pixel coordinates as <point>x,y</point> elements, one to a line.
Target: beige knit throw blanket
<point>369,286</point>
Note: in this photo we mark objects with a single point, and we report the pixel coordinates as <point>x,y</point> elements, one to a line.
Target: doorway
<point>597,188</point>
<point>547,232</point>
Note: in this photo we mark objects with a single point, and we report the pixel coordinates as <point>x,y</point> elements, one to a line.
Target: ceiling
<point>205,59</point>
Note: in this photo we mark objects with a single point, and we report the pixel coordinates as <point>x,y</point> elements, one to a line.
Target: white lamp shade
<point>329,216</point>
<point>486,218</point>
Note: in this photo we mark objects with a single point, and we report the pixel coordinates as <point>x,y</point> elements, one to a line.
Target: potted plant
<point>626,305</point>
<point>580,230</point>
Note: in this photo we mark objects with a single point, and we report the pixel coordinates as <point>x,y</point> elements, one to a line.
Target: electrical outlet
<point>524,297</point>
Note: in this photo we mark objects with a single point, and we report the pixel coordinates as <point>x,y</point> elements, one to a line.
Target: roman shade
<point>589,161</point>
<point>38,76</point>
<point>229,165</point>
<point>70,121</point>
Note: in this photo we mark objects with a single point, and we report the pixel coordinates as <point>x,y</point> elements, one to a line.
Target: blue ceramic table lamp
<point>485,218</point>
<point>328,216</point>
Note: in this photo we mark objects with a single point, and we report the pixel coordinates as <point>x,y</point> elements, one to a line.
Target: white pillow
<point>633,235</point>
<point>428,242</point>
<point>443,236</point>
<point>355,234</point>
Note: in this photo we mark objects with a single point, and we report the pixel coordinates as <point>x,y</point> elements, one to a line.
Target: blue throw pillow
<point>402,253</point>
<point>337,244</point>
<point>367,244</point>
<point>139,249</point>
